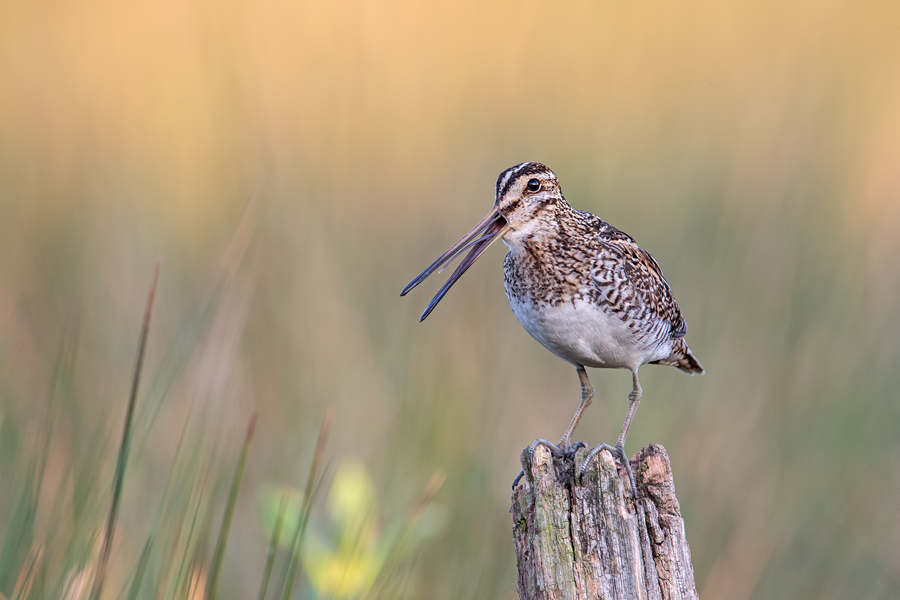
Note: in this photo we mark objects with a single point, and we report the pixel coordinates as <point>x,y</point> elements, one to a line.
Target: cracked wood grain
<point>590,540</point>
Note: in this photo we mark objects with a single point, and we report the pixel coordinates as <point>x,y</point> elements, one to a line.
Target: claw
<point>594,452</point>
<point>554,450</point>
<point>615,451</point>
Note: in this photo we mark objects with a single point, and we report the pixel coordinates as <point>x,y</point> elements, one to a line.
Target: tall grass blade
<point>176,358</point>
<point>62,375</point>
<point>18,539</point>
<point>139,573</point>
<point>297,542</point>
<point>216,566</point>
<point>398,549</point>
<point>121,463</point>
<point>26,577</point>
<point>19,536</point>
<point>186,562</point>
<point>273,546</point>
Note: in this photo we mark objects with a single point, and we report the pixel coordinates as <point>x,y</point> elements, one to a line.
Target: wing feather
<point>637,278</point>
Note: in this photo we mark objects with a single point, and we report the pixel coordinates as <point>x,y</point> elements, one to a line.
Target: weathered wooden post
<point>590,539</point>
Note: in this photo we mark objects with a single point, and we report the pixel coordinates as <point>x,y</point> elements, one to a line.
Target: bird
<point>582,288</point>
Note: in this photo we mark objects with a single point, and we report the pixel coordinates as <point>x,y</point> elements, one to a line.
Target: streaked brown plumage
<point>582,288</point>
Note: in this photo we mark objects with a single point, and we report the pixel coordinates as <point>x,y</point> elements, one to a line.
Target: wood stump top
<point>588,538</point>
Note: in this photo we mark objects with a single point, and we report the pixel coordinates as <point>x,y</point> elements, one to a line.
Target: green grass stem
<point>187,561</point>
<point>135,587</point>
<point>311,488</point>
<point>124,447</point>
<point>398,549</point>
<point>216,566</point>
<point>273,546</point>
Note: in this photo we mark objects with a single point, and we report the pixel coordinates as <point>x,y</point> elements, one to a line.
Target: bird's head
<point>523,193</point>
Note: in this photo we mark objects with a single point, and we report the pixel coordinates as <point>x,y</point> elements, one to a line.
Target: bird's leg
<point>565,447</point>
<point>587,393</point>
<point>634,399</point>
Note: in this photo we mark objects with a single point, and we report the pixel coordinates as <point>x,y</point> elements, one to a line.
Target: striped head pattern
<point>525,192</point>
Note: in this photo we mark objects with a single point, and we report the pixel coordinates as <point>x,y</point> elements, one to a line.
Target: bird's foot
<point>615,451</point>
<point>562,450</point>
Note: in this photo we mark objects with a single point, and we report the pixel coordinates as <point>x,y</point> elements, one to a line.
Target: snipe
<point>582,288</point>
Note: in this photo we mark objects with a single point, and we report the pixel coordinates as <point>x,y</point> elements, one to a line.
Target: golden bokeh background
<point>295,164</point>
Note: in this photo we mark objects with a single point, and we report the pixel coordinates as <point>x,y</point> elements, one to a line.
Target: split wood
<point>590,539</point>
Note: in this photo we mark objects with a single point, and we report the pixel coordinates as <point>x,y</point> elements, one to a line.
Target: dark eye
<point>534,185</point>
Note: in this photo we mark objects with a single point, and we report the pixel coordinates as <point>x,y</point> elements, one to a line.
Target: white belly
<point>584,334</point>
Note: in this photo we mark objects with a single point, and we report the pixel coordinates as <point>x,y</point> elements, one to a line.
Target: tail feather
<point>681,358</point>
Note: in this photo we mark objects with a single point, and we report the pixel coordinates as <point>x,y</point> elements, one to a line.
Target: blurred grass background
<point>296,164</point>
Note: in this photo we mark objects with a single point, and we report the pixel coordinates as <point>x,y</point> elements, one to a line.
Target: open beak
<point>491,227</point>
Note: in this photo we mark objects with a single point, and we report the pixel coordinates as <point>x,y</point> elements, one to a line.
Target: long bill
<point>479,239</point>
